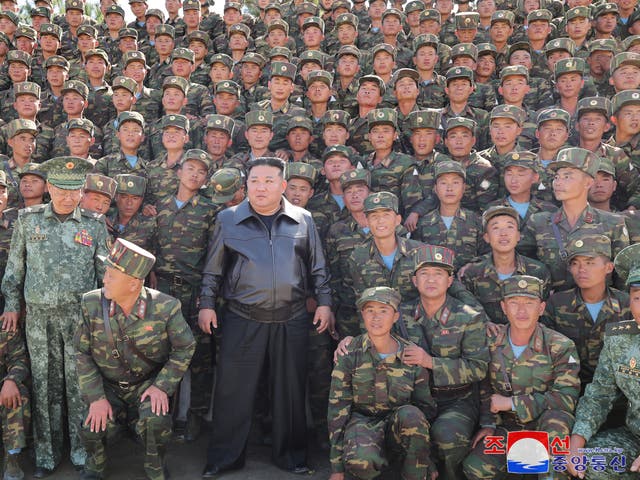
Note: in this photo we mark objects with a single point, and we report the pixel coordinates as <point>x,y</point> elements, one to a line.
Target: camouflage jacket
<point>140,230</point>
<point>157,73</point>
<point>482,182</point>
<point>326,212</point>
<point>535,205</point>
<point>59,146</point>
<point>100,108</point>
<point>44,143</point>
<point>7,219</point>
<point>481,117</point>
<point>153,135</point>
<point>280,121</point>
<point>627,174</point>
<point>14,361</point>
<point>14,197</point>
<point>431,93</point>
<point>429,200</point>
<point>116,164</point>
<point>148,104</point>
<point>162,180</point>
<point>359,134</point>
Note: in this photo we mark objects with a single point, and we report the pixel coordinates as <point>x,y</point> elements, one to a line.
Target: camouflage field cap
<point>81,124</point>
<point>340,4</point>
<point>118,10</point>
<point>225,183</point>
<point>130,116</point>
<point>569,65</point>
<point>233,5</point>
<point>425,39</point>
<point>577,158</point>
<point>130,259</point>
<point>283,69</point>
<point>449,166</point>
<point>313,22</point>
<point>31,169</point>
<point>51,29</point>
<point>577,12</point>
<point>624,58</point>
<point>273,6</point>
<point>21,125</point>
<point>197,155</point>
<point>19,56</point>
<point>385,295</point>
<point>175,120</point>
<point>67,173</point>
<point>433,256</point>
<point>220,122</point>
<point>630,41</point>
<point>540,15</point>
<point>429,118</point>
<point>487,49</point>
<point>467,20</point>
<point>3,179</point>
<point>383,47</point>
<point>430,14</point>
<point>94,182</point>
<point>560,44</point>
<point>98,52</point>
<point>301,170</point>
<point>222,58</point>
<point>341,150</point>
<point>191,5</point>
<point>76,86</point>
<point>463,122</point>
<point>496,211</point>
<point>173,81</point>
<point>606,166</point>
<point>594,104</point>
<point>353,177</point>
<point>382,116</point>
<point>522,286</point>
<point>166,30</point>
<point>459,72</point>
<point>405,73</point>
<point>184,54</point>
<point>278,24</point>
<point>26,88</point>
<point>199,36</point>
<point>283,52</point>
<point>259,117</point>
<point>131,184</point>
<point>300,121</point>
<point>240,28</point>
<point>13,18</point>
<point>414,6</point>
<point>627,265</point>
<point>228,86</point>
<point>26,31</point>
<point>373,79</point>
<point>592,245</point>
<point>127,33</point>
<point>514,70</point>
<point>381,201</point>
<point>320,76</point>
<point>464,50</point>
<point>88,30</point>
<point>623,98</point>
<point>503,16</point>
<point>57,61</point>
<point>512,112</point>
<point>347,19</point>
<point>393,12</point>
<point>337,117</point>
<point>136,56</point>
<point>604,9</point>
<point>126,83</point>
<point>41,12</point>
<point>603,45</point>
<point>549,114</point>
<point>523,159</point>
<point>307,7</point>
<point>155,12</point>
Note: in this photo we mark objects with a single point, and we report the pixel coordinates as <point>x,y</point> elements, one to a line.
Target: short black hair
<point>268,161</point>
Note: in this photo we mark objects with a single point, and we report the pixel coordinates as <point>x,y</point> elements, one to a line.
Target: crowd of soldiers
<point>472,170</point>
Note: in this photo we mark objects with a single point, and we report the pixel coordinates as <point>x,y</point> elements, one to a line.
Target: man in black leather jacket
<point>264,259</point>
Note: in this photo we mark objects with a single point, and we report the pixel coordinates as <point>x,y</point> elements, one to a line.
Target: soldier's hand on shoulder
<point>342,349</point>
<point>149,211</point>
<point>207,320</point>
<point>493,329</point>
<point>415,355</point>
<point>159,400</point>
<point>411,222</point>
<point>10,395</point>
<point>100,412</point>
<point>10,321</point>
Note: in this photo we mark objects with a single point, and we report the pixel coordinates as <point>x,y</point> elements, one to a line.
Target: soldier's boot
<point>12,470</point>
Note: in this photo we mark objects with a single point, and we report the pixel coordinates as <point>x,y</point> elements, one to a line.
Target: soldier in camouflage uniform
<point>8,217</point>
<point>148,101</point>
<point>21,138</point>
<point>97,193</point>
<point>448,338</point>
<point>431,85</point>
<point>221,133</point>
<point>371,89</point>
<point>198,98</point>
<point>258,134</point>
<point>18,68</point>
<point>124,96</point>
<point>377,404</point>
<point>33,186</point>
<point>164,45</point>
<point>134,371</point>
<point>553,134</point>
<point>49,240</point>
<point>532,383</point>
<point>99,103</point>
<point>128,158</point>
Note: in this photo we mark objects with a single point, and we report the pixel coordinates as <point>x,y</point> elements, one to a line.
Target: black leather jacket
<point>262,275</point>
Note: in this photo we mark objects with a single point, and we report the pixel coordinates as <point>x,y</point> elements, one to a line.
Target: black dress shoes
<point>214,471</point>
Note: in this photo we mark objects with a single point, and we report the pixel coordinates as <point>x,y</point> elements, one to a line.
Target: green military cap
<point>240,28</point>
<point>273,6</point>
<point>313,56</point>
<point>456,122</point>
<point>31,169</point>
<point>137,1</point>
<point>627,265</point>
<point>74,5</point>
<point>220,122</point>
<point>3,178</point>
<point>523,158</point>
<point>503,16</point>
<point>338,117</point>
<point>175,120</point>
<point>259,117</point>
<point>606,166</point>
<point>307,7</point>
<point>393,11</point>
<point>425,39</point>
<point>76,86</point>
<point>380,201</point>
<point>464,50</point>
<point>300,121</point>
<point>414,6</point>
<point>516,47</point>
<point>352,177</point>
<point>386,295</point>
<point>89,30</point>
<point>280,52</point>
<point>340,4</point>
<point>67,172</point>
<point>349,50</point>
<point>605,8</point>
<point>514,70</point>
<point>114,9</point>
<point>496,211</point>
<point>19,56</point>
<point>27,88</point>
<point>512,112</point>
<point>81,124</point>
<point>155,12</point>
<point>125,82</point>
<point>278,24</point>
<point>13,18</point>
<point>560,44</point>
<point>603,44</point>
<point>549,114</point>
<point>130,259</point>
<point>320,76</point>
<point>222,58</point>
<point>225,183</point>
<point>433,256</point>
<point>51,29</point>
<point>522,286</point>
<point>130,116</point>
<point>405,73</point>
<point>487,49</point>
<point>129,57</point>
<point>301,170</point>
<point>183,53</point>
<point>94,182</point>
<point>228,86</point>
<point>577,158</point>
<point>283,69</point>
<point>428,118</point>
<point>98,52</point>
<point>430,14</point>
<point>449,166</point>
<point>594,104</point>
<point>197,155</point>
<point>569,65</point>
<point>383,47</point>
<point>312,22</point>
<point>347,19</point>
<point>41,12</point>
<point>633,18</point>
<point>191,5</point>
<point>459,72</point>
<point>592,245</point>
<point>233,5</point>
<point>539,15</point>
<point>624,58</point>
<point>623,98</point>
<point>253,57</point>
<point>577,12</point>
<point>199,36</point>
<point>630,41</point>
<point>336,150</point>
<point>21,125</point>
<point>127,33</point>
<point>26,31</point>
<point>180,83</point>
<point>467,20</point>
<point>165,29</point>
<point>131,184</point>
<point>382,116</point>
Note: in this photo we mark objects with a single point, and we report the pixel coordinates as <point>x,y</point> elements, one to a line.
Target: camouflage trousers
<point>15,422</point>
<point>49,333</point>
<point>319,376</point>
<point>371,443</point>
<point>154,430</point>
<point>616,438</point>
<point>479,465</point>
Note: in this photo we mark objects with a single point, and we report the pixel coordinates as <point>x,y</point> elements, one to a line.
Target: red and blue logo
<point>528,452</point>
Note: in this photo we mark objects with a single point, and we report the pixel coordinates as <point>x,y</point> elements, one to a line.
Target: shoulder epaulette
<point>627,327</point>
<point>33,209</point>
<point>90,214</point>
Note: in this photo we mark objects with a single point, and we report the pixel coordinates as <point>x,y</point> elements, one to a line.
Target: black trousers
<point>244,347</point>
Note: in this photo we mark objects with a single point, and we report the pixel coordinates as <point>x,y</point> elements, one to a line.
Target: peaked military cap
<point>3,178</point>
<point>136,56</point>
<point>464,50</point>
<point>191,5</point>
<point>430,14</point>
<point>518,46</point>
<point>31,169</point>
<point>625,58</point>
<point>340,4</point>
<point>313,22</point>
<point>352,177</point>
<point>220,122</point>
<point>81,124</point>
<point>373,79</point>
<point>425,39</point>
<point>225,183</point>
<point>273,6</point>
<point>594,104</point>
<point>503,16</point>
<point>114,9</point>
<point>429,118</point>
<point>88,30</point>
<point>603,44</point>
<point>301,170</point>
<point>433,256</point>
<point>487,49</point>
<point>41,12</point>
<point>222,58</point>
<point>540,15</point>
<point>605,8</point>
<point>405,73</point>
<point>589,245</point>
<point>131,184</point>
<point>166,30</point>
<point>259,117</point>
<point>300,121</point>
<point>342,150</point>
<point>228,86</point>
<point>76,86</point>
<point>130,259</point>
<point>347,19</point>
<point>578,158</point>
<point>522,286</point>
<point>233,5</point>
<point>199,36</point>
<point>577,12</point>
<point>383,47</point>
<point>197,155</point>
<point>627,264</point>
<point>175,120</point>
<point>127,33</point>
<point>623,98</point>
<point>496,211</point>
<point>564,44</point>
<point>183,53</point>
<point>98,52</point>
<point>130,116</point>
<point>414,6</point>
<point>26,88</point>
<point>606,166</point>
<point>630,41</point>
<point>51,29</point>
<point>240,28</point>
<point>569,65</point>
<point>382,116</point>
<point>94,182</point>
<point>381,201</point>
<point>467,20</point>
<point>459,72</point>
<point>449,166</point>
<point>67,173</point>
<point>278,24</point>
<point>280,52</point>
<point>283,69</point>
<point>180,83</point>
<point>523,158</point>
<point>127,83</point>
<point>13,18</point>
<point>393,12</point>
<point>338,117</point>
<point>19,56</point>
<point>549,114</point>
<point>26,31</point>
<point>456,122</point>
<point>384,295</point>
<point>307,7</point>
<point>512,112</point>
<point>155,12</point>
<point>314,56</point>
<point>21,125</point>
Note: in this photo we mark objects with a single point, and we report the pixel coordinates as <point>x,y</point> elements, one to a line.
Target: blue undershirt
<point>179,204</point>
<point>388,259</point>
<point>521,208</point>
<point>339,200</point>
<point>594,309</point>
<point>447,221</point>
<point>504,276</point>
<point>132,159</point>
<point>517,349</point>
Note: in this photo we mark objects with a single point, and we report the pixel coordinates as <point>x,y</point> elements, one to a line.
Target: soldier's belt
<point>276,315</point>
<point>173,279</point>
<point>128,385</point>
<point>448,392</point>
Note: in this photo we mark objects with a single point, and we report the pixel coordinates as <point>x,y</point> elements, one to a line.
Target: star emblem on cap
<point>522,284</point>
<point>380,114</point>
<point>563,158</point>
<point>516,156</point>
<point>419,120</point>
<point>376,200</point>
<point>593,102</point>
<point>130,184</point>
<point>553,114</point>
<point>99,184</point>
<point>353,174</point>
<point>172,117</point>
<point>501,15</point>
<point>218,187</point>
<point>438,256</point>
<point>579,243</point>
<point>261,118</point>
<point>458,70</point>
<point>69,165</point>
<point>556,44</point>
<point>635,95</point>
<point>218,122</point>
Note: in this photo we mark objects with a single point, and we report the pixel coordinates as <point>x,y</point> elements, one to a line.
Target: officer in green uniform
<point>133,347</point>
